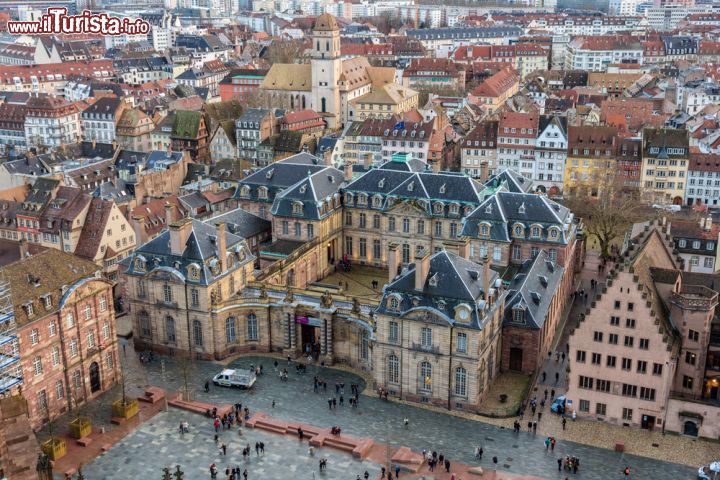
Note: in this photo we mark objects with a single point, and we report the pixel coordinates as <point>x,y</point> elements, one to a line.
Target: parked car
<point>239,378</point>
<point>558,405</point>
<point>711,471</point>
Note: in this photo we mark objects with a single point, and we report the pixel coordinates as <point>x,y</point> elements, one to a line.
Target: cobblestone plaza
<point>294,399</point>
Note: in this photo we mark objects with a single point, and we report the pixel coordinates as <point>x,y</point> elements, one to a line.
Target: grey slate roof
<point>311,191</point>
<point>533,289</point>
<point>241,223</point>
<point>511,181</point>
<point>200,249</point>
<point>503,210</point>
<point>278,176</point>
<point>451,281</point>
<point>429,187</point>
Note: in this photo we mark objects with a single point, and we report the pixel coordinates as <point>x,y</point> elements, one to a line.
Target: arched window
<point>460,382</point>
<point>170,329</point>
<point>426,376</point>
<point>197,333</point>
<point>303,102</point>
<point>252,327</point>
<point>323,105</point>
<point>393,369</point>
<point>144,320</point>
<point>230,336</point>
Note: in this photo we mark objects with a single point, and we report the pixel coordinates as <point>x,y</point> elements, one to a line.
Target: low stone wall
<point>705,416</point>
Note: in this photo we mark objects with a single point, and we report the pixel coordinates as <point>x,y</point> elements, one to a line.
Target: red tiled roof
<point>704,162</point>
<point>518,121</point>
<point>300,116</point>
<point>93,69</point>
<point>497,84</point>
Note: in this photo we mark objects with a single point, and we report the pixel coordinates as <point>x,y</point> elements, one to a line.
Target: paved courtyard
<point>454,436</point>
<point>157,444</point>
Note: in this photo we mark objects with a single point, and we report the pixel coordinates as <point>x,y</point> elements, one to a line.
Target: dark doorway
<point>648,422</point>
<point>690,428</point>
<point>94,377</point>
<point>516,355</point>
<point>310,337</point>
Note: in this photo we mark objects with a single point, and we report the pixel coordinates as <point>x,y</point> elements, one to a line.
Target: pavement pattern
<point>157,444</point>
<point>456,437</point>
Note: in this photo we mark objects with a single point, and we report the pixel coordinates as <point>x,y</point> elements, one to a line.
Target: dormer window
<point>269,173</point>
<point>518,315</point>
<point>194,272</point>
<point>297,208</point>
<point>442,188</point>
<point>411,186</point>
<point>553,233</point>
<point>303,188</point>
<point>433,282</point>
<point>535,232</point>
<point>682,243</point>
<point>521,209</point>
<point>244,191</point>
<point>47,302</point>
<point>362,199</point>
<point>381,183</point>
<point>262,193</point>
<point>710,245</point>
<point>139,265</point>
<point>518,230</point>
<point>29,309</point>
<point>348,199</point>
<point>377,201</point>
<point>438,207</point>
<point>488,209</point>
<point>696,244</point>
<point>484,230</point>
<point>441,305</point>
<point>394,303</point>
<point>454,209</point>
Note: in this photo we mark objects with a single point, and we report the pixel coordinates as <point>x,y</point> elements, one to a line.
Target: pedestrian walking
<point>447,465</point>
<point>495,461</point>
<point>534,427</point>
<point>557,377</point>
<point>552,393</point>
<point>546,392</point>
<point>559,464</point>
<point>223,447</point>
<point>397,471</point>
<point>564,421</point>
<point>273,404</point>
<point>563,357</point>
<point>539,416</point>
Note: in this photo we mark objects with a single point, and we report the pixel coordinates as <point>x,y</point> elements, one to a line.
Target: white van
<point>239,378</point>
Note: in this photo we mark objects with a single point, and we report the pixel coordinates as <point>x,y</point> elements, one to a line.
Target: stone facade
<point>67,337</point>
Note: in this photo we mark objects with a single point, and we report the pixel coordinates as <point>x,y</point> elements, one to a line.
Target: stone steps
<point>408,460</point>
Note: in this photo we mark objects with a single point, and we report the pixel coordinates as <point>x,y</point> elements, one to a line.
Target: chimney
<point>348,171</point>
<point>393,261</point>
<point>327,157</point>
<point>23,247</point>
<point>137,223</point>
<point>708,224</point>
<point>702,223</point>
<point>94,143</point>
<point>483,171</point>
<point>199,181</point>
<point>179,234</point>
<point>169,207</point>
<point>486,279</point>
<point>368,161</point>
<point>464,248</point>
<point>668,228</point>
<point>422,267</point>
<point>221,246</point>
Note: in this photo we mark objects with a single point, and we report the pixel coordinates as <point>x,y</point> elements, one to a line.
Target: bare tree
<point>187,368</point>
<point>285,51</point>
<point>606,208</point>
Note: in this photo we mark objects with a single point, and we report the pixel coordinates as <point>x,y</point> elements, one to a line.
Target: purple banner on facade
<point>312,321</point>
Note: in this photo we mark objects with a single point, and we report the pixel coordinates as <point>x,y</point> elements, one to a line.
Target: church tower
<point>326,68</point>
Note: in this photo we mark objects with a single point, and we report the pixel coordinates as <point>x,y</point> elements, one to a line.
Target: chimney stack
<point>23,247</point>
<point>486,279</point>
<point>483,171</point>
<point>169,207</point>
<point>702,223</point>
<point>368,161</point>
<point>422,267</point>
<point>327,157</point>
<point>221,246</point>
<point>708,224</point>
<point>138,228</point>
<point>393,261</point>
<point>348,171</point>
<point>179,233</point>
<point>464,248</point>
